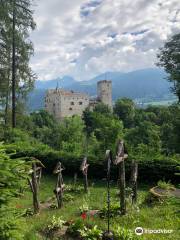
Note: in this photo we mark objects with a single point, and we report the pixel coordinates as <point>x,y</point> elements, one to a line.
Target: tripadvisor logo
<point>139,231</point>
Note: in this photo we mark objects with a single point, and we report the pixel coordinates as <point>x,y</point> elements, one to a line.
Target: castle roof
<point>63,92</point>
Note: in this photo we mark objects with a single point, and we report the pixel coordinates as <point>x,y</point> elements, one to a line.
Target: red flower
<point>83,215</point>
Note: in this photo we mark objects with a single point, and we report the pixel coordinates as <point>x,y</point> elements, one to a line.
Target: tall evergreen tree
<point>16,77</point>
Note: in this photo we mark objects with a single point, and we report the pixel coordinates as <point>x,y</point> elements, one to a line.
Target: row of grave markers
<point>121,155</point>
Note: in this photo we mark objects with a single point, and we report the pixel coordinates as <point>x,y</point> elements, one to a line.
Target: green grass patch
<point>158,216</point>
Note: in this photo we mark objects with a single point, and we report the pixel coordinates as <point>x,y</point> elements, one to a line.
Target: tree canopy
<point>169,59</point>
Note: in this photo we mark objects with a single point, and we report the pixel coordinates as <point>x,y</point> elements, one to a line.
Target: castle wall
<point>61,103</point>
<point>73,105</point>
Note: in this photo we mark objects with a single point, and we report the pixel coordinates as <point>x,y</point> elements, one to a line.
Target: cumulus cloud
<point>83,38</point>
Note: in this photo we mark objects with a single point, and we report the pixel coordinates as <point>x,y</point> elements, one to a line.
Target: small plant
<point>165,185</point>
<point>68,197</point>
<point>74,188</point>
<point>56,223</point>
<point>84,207</point>
<point>53,206</point>
<point>75,227</point>
<point>123,234</point>
<point>28,212</point>
<point>114,210</point>
<point>91,234</point>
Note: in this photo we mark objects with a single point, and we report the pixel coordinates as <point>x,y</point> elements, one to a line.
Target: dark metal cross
<point>108,235</point>
<point>109,161</point>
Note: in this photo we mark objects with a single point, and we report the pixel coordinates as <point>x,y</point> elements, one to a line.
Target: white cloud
<point>83,38</point>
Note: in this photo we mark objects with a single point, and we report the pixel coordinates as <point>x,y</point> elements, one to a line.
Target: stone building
<point>62,103</point>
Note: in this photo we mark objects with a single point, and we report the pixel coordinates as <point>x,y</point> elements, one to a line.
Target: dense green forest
<point>150,134</point>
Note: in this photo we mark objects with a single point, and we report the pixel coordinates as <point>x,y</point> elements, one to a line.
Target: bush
<point>124,234</point>
<point>165,185</point>
<point>91,234</point>
<point>13,175</point>
<point>150,170</point>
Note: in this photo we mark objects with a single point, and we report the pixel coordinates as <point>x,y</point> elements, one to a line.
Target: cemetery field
<point>157,216</point>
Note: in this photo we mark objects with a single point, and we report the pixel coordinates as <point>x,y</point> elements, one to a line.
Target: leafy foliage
<point>56,223</point>
<point>91,234</point>
<point>125,110</point>
<point>169,58</point>
<point>13,175</point>
<point>165,185</point>
<point>124,234</point>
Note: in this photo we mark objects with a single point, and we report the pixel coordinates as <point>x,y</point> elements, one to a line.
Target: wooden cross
<point>34,182</point>
<point>59,188</point>
<point>133,181</point>
<point>120,153</point>
<point>119,160</point>
<point>84,169</point>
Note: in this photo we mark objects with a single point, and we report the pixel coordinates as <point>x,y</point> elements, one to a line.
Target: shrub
<point>124,234</point>
<point>161,166</point>
<point>91,234</point>
<point>84,207</point>
<point>165,185</point>
<point>114,210</point>
<point>13,175</point>
<point>68,197</point>
<point>75,227</point>
<point>56,223</point>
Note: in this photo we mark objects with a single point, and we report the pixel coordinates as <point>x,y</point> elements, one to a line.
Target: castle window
<point>80,103</point>
<point>70,109</point>
<point>54,104</point>
<point>72,103</point>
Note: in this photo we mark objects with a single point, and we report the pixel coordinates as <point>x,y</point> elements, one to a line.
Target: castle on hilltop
<point>62,103</point>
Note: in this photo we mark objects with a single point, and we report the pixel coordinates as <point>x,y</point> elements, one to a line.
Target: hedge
<point>150,170</point>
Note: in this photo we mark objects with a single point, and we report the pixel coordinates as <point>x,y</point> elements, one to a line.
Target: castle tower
<point>104,90</point>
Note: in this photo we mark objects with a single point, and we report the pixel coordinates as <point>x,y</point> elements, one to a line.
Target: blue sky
<point>83,38</point>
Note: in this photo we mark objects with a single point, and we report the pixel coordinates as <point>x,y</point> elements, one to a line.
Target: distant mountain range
<point>141,84</point>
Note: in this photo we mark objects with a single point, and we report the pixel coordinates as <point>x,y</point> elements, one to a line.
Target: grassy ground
<point>159,216</point>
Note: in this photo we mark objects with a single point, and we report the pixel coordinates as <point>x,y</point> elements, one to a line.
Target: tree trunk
<point>134,175</point>
<point>7,101</point>
<point>75,179</point>
<point>14,69</point>
<point>122,185</point>
<point>6,108</point>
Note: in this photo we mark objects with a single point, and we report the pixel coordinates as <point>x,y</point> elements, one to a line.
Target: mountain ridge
<point>144,83</point>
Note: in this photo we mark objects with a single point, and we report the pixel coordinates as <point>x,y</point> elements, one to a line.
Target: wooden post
<point>84,169</point>
<point>133,181</point>
<point>122,186</point>
<point>34,185</point>
<point>75,179</point>
<point>119,160</point>
<point>59,189</point>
